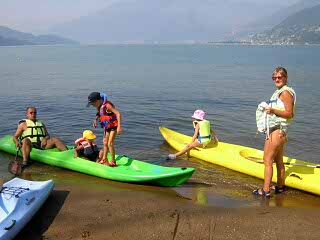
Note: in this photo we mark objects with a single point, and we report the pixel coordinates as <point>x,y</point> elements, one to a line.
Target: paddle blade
<point>15,167</point>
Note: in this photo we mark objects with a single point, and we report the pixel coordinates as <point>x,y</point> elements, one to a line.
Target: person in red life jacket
<point>86,147</point>
<point>104,98</point>
<point>110,121</point>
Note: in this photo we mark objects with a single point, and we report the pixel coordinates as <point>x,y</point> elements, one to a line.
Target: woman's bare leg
<point>281,170</point>
<point>273,148</point>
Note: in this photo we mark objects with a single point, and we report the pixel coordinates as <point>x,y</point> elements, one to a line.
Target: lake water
<point>156,85</point>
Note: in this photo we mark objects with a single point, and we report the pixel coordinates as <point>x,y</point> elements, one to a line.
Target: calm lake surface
<point>156,85</point>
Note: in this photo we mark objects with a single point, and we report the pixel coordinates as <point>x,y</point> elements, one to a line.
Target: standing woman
<point>280,111</point>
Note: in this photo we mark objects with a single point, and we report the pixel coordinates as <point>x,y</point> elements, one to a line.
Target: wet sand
<point>92,208</point>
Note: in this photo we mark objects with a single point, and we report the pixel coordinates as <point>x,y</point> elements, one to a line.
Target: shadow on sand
<point>42,220</point>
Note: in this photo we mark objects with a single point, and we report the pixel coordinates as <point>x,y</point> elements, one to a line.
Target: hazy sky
<point>38,15</point>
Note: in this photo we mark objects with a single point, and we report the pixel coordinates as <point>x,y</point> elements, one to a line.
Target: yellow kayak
<point>299,174</point>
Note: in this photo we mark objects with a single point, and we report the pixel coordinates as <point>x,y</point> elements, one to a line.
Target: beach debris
<point>85,234</point>
<point>174,214</point>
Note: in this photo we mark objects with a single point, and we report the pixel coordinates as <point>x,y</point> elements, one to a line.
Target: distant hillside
<point>147,21</point>
<point>12,42</point>
<point>10,37</point>
<point>268,22</point>
<point>300,28</point>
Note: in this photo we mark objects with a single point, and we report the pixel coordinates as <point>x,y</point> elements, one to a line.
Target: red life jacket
<point>108,120</point>
<point>90,149</point>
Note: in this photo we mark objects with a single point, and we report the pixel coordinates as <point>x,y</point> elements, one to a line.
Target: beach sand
<point>100,209</point>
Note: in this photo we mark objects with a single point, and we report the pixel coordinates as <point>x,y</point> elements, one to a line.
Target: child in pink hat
<point>203,134</point>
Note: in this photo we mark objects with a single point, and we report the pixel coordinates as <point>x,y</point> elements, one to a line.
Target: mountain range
<point>268,22</point>
<point>10,37</point>
<point>144,21</point>
<point>302,27</point>
<point>185,21</point>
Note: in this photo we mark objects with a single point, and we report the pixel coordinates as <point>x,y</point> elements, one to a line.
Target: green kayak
<point>128,169</point>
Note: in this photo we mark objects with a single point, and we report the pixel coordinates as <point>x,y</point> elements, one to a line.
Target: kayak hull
<point>20,200</point>
<point>127,170</point>
<point>299,174</point>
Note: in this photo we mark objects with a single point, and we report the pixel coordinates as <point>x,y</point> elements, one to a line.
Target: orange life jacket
<point>108,120</point>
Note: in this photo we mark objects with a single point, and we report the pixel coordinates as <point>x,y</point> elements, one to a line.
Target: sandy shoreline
<point>106,210</point>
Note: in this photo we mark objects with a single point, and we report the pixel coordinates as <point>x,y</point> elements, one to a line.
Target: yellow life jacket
<point>204,130</point>
<point>35,131</point>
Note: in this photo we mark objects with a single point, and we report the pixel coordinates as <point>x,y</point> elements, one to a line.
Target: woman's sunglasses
<point>275,78</point>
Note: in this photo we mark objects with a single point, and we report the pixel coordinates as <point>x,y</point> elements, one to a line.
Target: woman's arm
<point>288,101</point>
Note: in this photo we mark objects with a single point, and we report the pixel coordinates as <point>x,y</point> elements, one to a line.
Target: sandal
<point>278,190</point>
<point>261,192</point>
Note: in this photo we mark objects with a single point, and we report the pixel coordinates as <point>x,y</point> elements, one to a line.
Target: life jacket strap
<point>32,135</point>
<point>105,119</point>
<point>202,137</point>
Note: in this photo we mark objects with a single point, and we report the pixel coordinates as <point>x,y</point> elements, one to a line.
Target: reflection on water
<point>232,198</point>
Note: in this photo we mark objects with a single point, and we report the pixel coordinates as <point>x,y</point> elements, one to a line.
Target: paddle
<point>15,167</point>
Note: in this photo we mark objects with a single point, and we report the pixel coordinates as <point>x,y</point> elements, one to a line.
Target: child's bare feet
<point>103,161</point>
<point>113,164</point>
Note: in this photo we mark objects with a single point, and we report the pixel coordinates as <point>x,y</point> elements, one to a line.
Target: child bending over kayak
<point>110,121</point>
<point>104,99</point>
<point>203,134</point>
<point>87,148</point>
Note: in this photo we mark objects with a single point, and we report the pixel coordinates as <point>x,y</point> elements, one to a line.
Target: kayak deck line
<point>299,174</point>
<point>259,160</point>
<point>128,169</point>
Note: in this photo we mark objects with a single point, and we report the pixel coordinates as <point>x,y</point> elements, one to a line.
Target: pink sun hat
<point>199,114</point>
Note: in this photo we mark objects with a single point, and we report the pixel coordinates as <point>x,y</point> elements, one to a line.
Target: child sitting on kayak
<point>110,121</point>
<point>203,134</point>
<point>86,147</point>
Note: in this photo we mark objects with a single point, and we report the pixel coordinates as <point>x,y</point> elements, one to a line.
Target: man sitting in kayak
<point>203,134</point>
<point>87,148</point>
<point>32,133</point>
